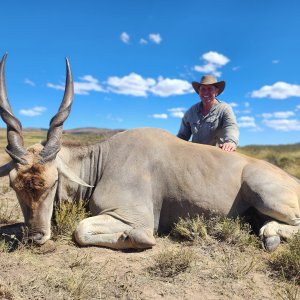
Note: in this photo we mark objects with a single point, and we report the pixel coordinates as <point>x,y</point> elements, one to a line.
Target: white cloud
<point>215,58</point>
<point>33,112</point>
<point>233,104</point>
<point>125,37</point>
<point>177,112</point>
<point>113,118</point>
<point>283,124</point>
<point>246,122</point>
<point>29,82</point>
<point>155,38</point>
<point>275,61</point>
<point>160,116</point>
<point>135,85</point>
<point>208,68</point>
<point>279,90</point>
<point>297,107</point>
<point>56,86</point>
<point>213,61</point>
<point>88,84</point>
<point>278,115</point>
<point>247,109</point>
<point>143,41</point>
<point>132,84</point>
<point>169,87</point>
<point>236,68</point>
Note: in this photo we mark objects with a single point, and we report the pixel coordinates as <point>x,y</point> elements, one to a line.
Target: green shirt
<point>217,127</point>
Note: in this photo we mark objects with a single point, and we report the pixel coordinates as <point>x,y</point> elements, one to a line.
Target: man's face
<point>207,93</point>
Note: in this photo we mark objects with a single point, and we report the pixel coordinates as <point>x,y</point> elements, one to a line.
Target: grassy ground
<point>287,157</point>
<point>32,137</point>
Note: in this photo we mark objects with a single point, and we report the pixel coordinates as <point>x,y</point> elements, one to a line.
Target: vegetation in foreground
<point>67,215</point>
<point>219,250</point>
<point>287,261</point>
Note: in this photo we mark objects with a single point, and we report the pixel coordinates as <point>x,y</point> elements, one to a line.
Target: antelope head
<point>34,172</point>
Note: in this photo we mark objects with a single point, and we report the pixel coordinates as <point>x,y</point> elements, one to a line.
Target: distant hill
<point>92,130</point>
<point>83,130</point>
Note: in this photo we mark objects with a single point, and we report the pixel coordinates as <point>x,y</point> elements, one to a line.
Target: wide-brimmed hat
<point>209,80</point>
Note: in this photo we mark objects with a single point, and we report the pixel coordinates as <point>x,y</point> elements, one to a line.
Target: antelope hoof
<point>271,243</point>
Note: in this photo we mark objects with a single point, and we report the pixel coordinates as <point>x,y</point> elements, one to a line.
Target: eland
<point>140,181</point>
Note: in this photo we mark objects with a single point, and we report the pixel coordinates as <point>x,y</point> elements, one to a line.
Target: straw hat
<point>209,80</point>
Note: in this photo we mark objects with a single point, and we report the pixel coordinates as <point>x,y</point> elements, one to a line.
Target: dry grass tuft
<point>287,261</point>
<point>6,293</point>
<point>190,229</point>
<point>232,231</point>
<point>67,216</point>
<point>170,263</point>
<point>7,212</point>
<point>290,291</point>
<point>15,242</point>
<point>237,265</point>
<point>80,261</point>
<point>235,232</point>
<point>73,285</point>
<point>4,247</point>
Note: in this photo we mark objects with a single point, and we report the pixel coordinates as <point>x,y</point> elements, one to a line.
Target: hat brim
<point>220,85</point>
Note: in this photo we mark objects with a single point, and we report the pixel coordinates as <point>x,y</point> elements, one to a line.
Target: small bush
<point>190,229</point>
<point>170,263</point>
<point>288,260</point>
<point>234,231</point>
<point>67,216</point>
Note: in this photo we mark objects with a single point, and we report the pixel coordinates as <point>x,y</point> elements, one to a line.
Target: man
<point>210,121</point>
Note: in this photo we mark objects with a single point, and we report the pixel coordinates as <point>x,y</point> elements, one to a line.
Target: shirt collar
<point>200,106</point>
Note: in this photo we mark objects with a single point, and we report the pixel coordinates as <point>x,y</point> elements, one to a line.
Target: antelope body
<point>140,181</point>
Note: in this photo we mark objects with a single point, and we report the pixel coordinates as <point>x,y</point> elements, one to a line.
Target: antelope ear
<point>68,173</point>
<point>5,169</point>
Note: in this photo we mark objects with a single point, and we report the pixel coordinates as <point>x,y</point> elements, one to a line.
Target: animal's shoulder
<point>142,135</point>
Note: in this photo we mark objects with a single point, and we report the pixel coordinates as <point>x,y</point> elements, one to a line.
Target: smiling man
<point>210,121</point>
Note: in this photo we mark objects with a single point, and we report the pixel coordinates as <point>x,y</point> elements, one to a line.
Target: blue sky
<point>133,62</point>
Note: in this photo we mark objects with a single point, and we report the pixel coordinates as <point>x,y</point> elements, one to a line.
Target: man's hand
<point>228,146</point>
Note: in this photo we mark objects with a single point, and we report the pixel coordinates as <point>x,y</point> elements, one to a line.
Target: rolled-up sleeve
<point>185,129</point>
<point>230,127</point>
